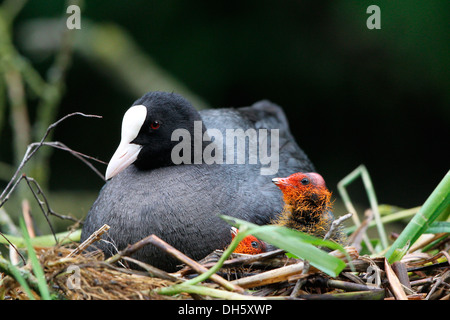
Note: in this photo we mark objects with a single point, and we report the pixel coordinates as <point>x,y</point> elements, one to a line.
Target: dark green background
<point>352,95</point>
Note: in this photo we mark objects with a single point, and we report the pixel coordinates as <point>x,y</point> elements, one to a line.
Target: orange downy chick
<point>249,245</point>
<point>308,205</point>
<point>308,208</point>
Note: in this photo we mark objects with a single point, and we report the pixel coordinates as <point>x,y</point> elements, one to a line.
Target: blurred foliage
<point>352,95</point>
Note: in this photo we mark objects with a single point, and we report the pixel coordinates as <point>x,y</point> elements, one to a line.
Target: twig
<point>424,263</point>
<point>438,282</point>
<point>421,282</point>
<point>129,250</point>
<point>91,239</point>
<point>402,273</point>
<point>31,150</point>
<point>333,228</point>
<point>152,271</point>
<point>335,224</point>
<point>41,203</point>
<point>14,247</point>
<point>357,236</point>
<point>269,277</point>
<point>394,282</point>
<point>300,282</point>
<point>243,259</point>
<point>284,273</point>
<point>44,203</point>
<point>377,294</point>
<point>424,240</point>
<point>153,239</point>
<point>348,286</point>
<point>76,154</point>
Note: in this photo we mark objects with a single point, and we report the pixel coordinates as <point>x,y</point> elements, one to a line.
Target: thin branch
<point>394,282</point>
<point>62,146</point>
<point>41,203</point>
<point>333,229</point>
<point>300,282</point>
<point>335,225</point>
<point>78,155</point>
<point>239,259</point>
<point>53,125</point>
<point>91,239</point>
<point>12,187</point>
<point>151,270</point>
<point>14,247</point>
<point>357,236</point>
<point>153,239</point>
<point>286,272</point>
<point>270,277</point>
<point>31,150</point>
<point>44,201</point>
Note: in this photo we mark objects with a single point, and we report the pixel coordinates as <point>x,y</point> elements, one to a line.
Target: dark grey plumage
<point>181,203</point>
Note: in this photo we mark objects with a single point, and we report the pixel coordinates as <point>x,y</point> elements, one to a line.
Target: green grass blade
<point>404,214</point>
<point>437,202</point>
<point>228,251</point>
<point>45,240</point>
<point>398,253</point>
<point>205,291</point>
<point>295,242</point>
<point>362,172</point>
<point>37,269</point>
<point>19,278</point>
<point>439,227</point>
<point>445,215</point>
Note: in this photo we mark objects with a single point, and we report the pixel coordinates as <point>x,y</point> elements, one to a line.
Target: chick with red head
<point>308,205</point>
<point>307,208</point>
<point>249,245</point>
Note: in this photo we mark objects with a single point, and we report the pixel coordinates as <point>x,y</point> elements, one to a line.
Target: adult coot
<point>159,186</point>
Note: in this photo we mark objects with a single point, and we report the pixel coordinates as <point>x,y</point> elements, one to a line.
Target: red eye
<point>155,125</point>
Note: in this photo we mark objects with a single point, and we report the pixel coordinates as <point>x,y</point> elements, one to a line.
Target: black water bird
<point>150,192</point>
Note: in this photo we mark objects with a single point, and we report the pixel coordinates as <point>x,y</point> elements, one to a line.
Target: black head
<point>147,129</point>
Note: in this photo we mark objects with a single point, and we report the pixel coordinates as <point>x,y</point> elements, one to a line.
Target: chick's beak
<point>234,232</point>
<point>125,155</point>
<point>280,182</point>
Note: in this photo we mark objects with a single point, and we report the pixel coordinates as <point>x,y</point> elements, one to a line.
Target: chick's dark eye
<point>155,125</point>
<point>305,181</point>
<point>255,244</point>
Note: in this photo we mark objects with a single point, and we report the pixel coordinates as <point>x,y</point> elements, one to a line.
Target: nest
<point>73,273</point>
<point>92,278</point>
<point>88,277</point>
